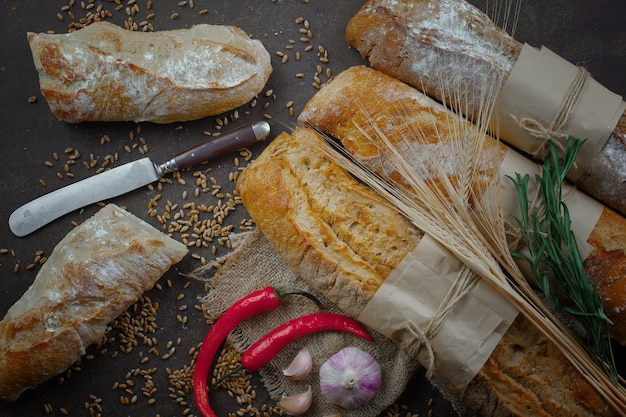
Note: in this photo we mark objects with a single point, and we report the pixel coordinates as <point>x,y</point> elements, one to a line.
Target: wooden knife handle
<point>229,142</point>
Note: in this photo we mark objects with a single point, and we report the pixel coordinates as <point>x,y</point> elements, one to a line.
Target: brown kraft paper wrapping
<point>412,294</point>
<point>539,86</point>
<point>415,291</point>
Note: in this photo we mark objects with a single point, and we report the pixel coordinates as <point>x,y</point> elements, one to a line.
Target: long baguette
<point>105,73</point>
<point>440,46</point>
<point>343,240</point>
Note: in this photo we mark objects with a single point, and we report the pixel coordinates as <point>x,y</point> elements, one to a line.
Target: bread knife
<point>125,178</point>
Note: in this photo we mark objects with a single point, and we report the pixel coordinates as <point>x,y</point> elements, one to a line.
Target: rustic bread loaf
<point>400,110</point>
<point>105,73</point>
<point>444,46</point>
<point>95,273</point>
<point>343,240</point>
<point>340,238</point>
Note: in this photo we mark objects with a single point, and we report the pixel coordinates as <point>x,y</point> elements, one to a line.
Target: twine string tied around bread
<point>555,130</point>
<point>465,281</point>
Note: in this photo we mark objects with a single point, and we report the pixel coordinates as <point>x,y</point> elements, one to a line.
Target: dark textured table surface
<point>587,33</point>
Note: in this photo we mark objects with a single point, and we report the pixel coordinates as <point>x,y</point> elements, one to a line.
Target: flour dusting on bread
<point>105,73</point>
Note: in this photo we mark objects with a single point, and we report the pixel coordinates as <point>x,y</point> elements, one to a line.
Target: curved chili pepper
<point>266,348</point>
<point>257,302</point>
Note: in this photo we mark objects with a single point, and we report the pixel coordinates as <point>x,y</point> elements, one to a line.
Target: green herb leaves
<point>553,255</point>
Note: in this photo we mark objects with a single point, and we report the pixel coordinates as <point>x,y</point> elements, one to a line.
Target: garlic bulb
<point>300,367</point>
<point>297,404</point>
<point>350,378</point>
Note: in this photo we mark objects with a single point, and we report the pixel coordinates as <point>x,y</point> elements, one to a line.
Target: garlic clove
<point>297,404</point>
<point>300,367</point>
<point>350,378</point>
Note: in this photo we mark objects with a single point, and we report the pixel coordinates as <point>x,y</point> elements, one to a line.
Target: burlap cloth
<point>253,265</point>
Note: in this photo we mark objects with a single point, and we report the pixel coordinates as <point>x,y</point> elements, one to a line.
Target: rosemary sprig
<point>554,257</point>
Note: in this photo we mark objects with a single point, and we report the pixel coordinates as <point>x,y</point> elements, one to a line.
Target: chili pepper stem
<point>227,375</point>
<point>281,294</point>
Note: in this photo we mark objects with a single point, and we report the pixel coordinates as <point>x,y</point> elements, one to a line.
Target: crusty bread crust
<point>302,203</point>
<point>525,375</point>
<point>399,109</point>
<point>330,229</point>
<point>95,273</point>
<point>433,45</point>
<point>105,73</point>
<point>445,46</point>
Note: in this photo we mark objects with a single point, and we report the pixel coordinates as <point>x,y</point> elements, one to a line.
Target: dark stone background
<point>587,33</point>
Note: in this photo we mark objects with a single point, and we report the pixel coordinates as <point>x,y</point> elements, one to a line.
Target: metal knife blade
<point>125,178</point>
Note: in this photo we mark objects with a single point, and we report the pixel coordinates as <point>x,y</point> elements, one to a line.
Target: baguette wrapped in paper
<point>443,46</point>
<point>399,111</point>
<point>345,241</point>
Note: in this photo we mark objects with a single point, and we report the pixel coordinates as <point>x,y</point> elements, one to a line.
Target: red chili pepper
<point>266,348</point>
<point>259,301</point>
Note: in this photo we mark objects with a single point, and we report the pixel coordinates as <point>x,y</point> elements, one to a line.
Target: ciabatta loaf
<point>401,112</point>
<point>95,273</point>
<point>342,239</point>
<point>334,236</point>
<point>105,73</point>
<point>449,46</point>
